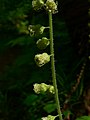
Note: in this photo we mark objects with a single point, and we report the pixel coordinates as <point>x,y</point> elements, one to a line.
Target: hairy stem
<point>53,66</point>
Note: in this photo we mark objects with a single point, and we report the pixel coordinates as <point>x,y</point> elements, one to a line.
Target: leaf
<point>30,99</point>
<point>25,40</point>
<point>84,118</point>
<point>50,107</point>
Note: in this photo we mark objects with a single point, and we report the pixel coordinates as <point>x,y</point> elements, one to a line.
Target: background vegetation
<point>18,72</point>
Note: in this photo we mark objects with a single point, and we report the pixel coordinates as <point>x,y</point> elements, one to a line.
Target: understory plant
<point>41,59</point>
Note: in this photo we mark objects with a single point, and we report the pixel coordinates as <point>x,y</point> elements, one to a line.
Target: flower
<point>51,6</point>
<point>43,43</point>
<point>51,89</point>
<point>42,59</point>
<point>49,117</point>
<point>36,29</point>
<point>37,4</point>
<point>36,88</point>
<point>40,88</point>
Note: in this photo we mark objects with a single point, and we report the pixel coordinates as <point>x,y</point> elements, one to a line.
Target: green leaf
<point>30,99</point>
<point>84,118</point>
<point>50,107</point>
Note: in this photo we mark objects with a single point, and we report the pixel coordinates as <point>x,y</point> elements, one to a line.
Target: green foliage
<point>84,118</point>
<point>50,107</point>
<point>30,99</point>
<point>23,40</point>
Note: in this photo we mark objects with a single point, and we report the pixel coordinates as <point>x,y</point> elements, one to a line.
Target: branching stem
<point>53,66</point>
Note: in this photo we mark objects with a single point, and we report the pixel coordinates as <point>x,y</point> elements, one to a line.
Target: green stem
<point>53,66</point>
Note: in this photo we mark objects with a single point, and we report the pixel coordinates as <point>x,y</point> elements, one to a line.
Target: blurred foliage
<point>83,118</point>
<point>18,72</point>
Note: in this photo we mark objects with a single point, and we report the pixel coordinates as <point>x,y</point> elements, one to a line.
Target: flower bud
<point>43,43</point>
<point>51,6</point>
<point>37,4</point>
<point>42,59</point>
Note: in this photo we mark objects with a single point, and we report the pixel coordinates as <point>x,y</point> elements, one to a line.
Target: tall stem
<point>53,66</point>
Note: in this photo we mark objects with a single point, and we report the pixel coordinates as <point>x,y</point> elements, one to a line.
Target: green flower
<point>36,88</point>
<point>43,43</point>
<point>42,59</point>
<point>40,88</point>
<point>37,4</point>
<point>36,29</point>
<point>51,89</point>
<point>49,117</point>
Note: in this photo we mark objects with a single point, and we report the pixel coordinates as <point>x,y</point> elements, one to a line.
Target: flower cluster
<point>42,88</point>
<point>49,5</point>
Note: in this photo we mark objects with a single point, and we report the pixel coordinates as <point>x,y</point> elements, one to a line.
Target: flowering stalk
<point>53,66</point>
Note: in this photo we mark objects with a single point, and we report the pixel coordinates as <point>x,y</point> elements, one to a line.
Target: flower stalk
<point>53,66</point>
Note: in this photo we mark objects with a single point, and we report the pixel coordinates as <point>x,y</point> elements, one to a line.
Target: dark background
<point>18,71</point>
